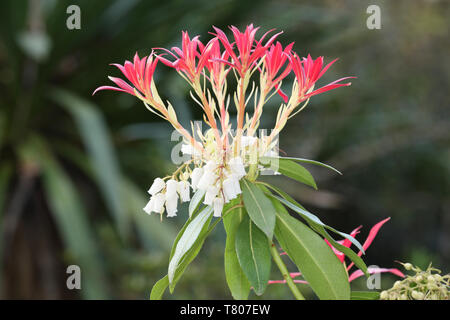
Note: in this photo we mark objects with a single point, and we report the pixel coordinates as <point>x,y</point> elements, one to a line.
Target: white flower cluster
<point>167,193</point>
<point>219,182</point>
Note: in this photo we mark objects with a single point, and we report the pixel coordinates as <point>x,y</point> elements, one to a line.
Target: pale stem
<point>284,271</point>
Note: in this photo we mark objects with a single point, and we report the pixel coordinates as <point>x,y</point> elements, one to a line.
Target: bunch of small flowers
<point>423,285</point>
<point>221,165</point>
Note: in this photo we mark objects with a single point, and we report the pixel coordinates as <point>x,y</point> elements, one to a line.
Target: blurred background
<point>74,169</point>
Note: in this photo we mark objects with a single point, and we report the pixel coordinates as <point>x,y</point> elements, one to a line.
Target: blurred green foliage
<point>74,168</point>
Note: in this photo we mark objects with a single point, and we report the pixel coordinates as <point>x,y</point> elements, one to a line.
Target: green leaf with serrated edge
<point>291,203</point>
<point>195,201</point>
<point>258,207</point>
<point>252,248</point>
<point>318,264</point>
<point>297,172</point>
<point>190,235</point>
<point>321,230</point>
<point>159,287</point>
<point>236,279</point>
<point>365,295</point>
<point>267,160</point>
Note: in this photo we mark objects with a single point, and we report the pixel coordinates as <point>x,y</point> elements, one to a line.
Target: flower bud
<point>384,295</point>
<point>397,284</point>
<point>218,207</point>
<point>157,185</point>
<point>417,295</point>
<point>407,266</point>
<point>437,277</point>
<point>195,177</point>
<point>419,278</point>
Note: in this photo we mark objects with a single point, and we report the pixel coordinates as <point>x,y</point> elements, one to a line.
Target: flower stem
<point>276,257</point>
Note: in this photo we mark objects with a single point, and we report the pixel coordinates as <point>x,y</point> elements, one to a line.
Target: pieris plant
<point>220,179</point>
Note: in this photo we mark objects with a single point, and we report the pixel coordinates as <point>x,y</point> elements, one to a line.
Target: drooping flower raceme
<point>223,155</point>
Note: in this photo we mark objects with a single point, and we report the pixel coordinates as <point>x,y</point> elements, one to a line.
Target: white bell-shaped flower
<point>211,165</point>
<point>157,185</point>
<point>159,200</point>
<point>172,205</point>
<point>218,206</point>
<point>196,175</point>
<point>208,178</point>
<point>183,190</point>
<point>237,166</point>
<point>149,206</point>
<point>210,194</point>
<point>229,189</point>
<point>171,187</point>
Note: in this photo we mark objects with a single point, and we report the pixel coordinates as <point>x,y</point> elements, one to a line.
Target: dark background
<point>74,168</point>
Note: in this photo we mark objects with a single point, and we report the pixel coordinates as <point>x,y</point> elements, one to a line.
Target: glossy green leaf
<point>97,141</point>
<point>160,287</point>
<point>365,295</point>
<point>190,235</point>
<point>320,229</point>
<point>296,171</point>
<point>268,160</point>
<point>314,219</point>
<point>319,265</point>
<point>252,248</point>
<point>236,279</point>
<point>259,207</point>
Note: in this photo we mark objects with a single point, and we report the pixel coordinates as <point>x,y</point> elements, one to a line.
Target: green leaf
<point>195,201</point>
<point>159,287</point>
<point>252,248</point>
<point>319,265</point>
<point>295,171</point>
<point>268,160</point>
<point>311,218</point>
<point>365,295</point>
<point>188,238</point>
<point>319,228</point>
<point>95,136</point>
<point>236,279</point>
<point>259,207</point>
<point>71,218</point>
